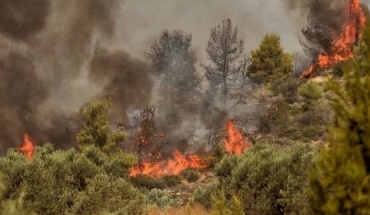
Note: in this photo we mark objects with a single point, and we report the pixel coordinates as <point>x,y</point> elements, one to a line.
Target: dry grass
<point>186,210</point>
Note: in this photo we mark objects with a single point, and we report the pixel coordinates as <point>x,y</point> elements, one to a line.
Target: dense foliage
<point>341,183</point>
<point>225,51</point>
<point>70,182</point>
<point>270,62</point>
<point>269,179</point>
<point>96,130</point>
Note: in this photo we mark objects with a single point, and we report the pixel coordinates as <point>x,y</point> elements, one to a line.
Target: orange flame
<point>235,143</point>
<point>173,166</point>
<point>342,48</point>
<point>28,147</point>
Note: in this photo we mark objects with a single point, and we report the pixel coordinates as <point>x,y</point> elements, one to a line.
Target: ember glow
<point>172,166</point>
<point>342,47</point>
<point>28,147</point>
<point>235,142</point>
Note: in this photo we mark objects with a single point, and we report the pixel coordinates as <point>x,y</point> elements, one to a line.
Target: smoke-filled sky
<point>57,56</point>
<point>143,20</point>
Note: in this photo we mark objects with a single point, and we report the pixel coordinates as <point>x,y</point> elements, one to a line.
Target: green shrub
<point>211,160</point>
<point>172,180</point>
<point>104,195</point>
<point>203,194</point>
<point>269,178</point>
<point>10,207</point>
<point>222,206</point>
<point>309,91</point>
<point>145,181</point>
<point>54,181</point>
<point>190,175</point>
<point>162,199</point>
<point>340,183</point>
<point>225,167</point>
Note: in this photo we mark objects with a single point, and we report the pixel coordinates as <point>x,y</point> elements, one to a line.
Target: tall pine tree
<point>341,182</point>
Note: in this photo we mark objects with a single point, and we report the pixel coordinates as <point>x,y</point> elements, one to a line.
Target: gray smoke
<point>57,56</point>
<point>45,52</point>
<point>124,79</point>
<point>21,93</point>
<point>20,19</point>
<point>324,22</point>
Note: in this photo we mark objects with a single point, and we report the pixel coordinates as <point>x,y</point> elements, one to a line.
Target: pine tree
<point>272,66</point>
<point>96,129</point>
<point>341,182</point>
<point>225,51</point>
<point>173,61</point>
<point>269,59</point>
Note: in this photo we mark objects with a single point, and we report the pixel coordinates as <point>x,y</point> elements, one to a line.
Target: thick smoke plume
<point>47,49</point>
<point>325,24</point>
<point>21,93</point>
<point>325,18</point>
<point>20,19</point>
<point>124,78</point>
<point>57,56</point>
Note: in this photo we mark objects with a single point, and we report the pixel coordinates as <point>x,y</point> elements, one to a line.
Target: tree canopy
<point>341,182</point>
<point>225,51</point>
<point>173,61</point>
<point>269,61</point>
<point>96,130</point>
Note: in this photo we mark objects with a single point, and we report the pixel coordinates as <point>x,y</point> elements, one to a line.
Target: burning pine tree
<point>328,45</point>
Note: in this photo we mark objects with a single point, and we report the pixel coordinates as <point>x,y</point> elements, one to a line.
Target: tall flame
<point>235,143</point>
<point>28,147</point>
<point>173,166</point>
<point>342,47</point>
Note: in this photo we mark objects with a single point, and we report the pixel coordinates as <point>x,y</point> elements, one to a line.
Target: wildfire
<point>28,147</point>
<point>173,166</point>
<point>235,143</point>
<point>342,47</point>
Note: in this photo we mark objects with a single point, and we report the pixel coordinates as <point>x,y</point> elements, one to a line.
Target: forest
<point>94,122</point>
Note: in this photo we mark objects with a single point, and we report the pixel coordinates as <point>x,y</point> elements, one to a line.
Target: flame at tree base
<point>28,147</point>
<point>173,166</point>
<point>342,47</point>
<point>235,143</point>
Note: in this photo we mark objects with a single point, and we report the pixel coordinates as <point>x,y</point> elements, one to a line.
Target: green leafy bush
<point>104,195</point>
<point>145,181</point>
<point>225,167</point>
<point>55,181</point>
<point>269,178</point>
<point>310,91</point>
<point>340,183</point>
<point>172,180</point>
<point>222,206</point>
<point>203,194</point>
<point>162,199</point>
<point>211,160</point>
<point>190,175</point>
<point>96,130</point>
